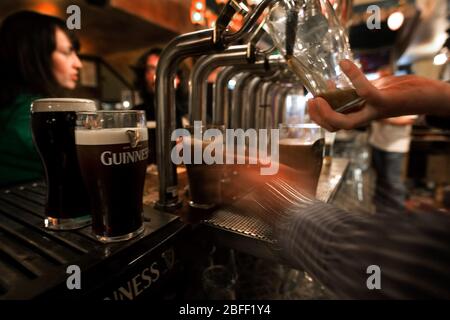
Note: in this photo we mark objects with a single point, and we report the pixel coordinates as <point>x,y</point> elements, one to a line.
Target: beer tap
<point>253,99</point>
<point>254,95</point>
<point>222,104</point>
<point>280,95</point>
<point>238,97</point>
<point>263,107</point>
<point>188,45</point>
<point>234,55</point>
<point>221,101</point>
<point>205,65</point>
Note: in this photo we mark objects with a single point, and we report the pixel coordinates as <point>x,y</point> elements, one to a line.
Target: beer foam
<point>107,136</point>
<point>295,142</point>
<point>63,105</point>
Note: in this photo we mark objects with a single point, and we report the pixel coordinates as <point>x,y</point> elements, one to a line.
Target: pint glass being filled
<point>112,148</point>
<point>53,124</point>
<point>301,148</point>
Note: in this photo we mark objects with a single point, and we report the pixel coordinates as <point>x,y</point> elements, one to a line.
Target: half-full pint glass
<point>53,126</point>
<point>205,175</point>
<point>112,148</point>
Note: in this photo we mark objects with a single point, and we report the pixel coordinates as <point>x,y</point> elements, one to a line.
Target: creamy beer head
<point>63,105</point>
<point>110,136</point>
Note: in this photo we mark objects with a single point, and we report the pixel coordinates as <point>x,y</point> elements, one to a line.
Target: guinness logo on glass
<point>134,136</point>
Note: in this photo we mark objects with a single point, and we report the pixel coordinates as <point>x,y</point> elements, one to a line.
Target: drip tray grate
<point>251,228</point>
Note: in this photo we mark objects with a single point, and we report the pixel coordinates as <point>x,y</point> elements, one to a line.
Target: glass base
<point>201,206</point>
<point>67,224</point>
<point>128,236</point>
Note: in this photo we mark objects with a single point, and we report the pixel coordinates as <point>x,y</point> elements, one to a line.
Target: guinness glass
<point>112,147</point>
<point>53,126</point>
<point>302,149</point>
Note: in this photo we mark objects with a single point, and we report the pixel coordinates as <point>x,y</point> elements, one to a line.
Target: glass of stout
<point>112,148</point>
<point>205,175</point>
<point>53,124</point>
<point>301,147</point>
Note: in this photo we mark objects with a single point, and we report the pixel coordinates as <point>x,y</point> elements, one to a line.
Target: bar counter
<point>34,261</point>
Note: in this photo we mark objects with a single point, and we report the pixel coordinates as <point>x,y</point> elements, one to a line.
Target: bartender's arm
<point>388,97</point>
<point>342,249</point>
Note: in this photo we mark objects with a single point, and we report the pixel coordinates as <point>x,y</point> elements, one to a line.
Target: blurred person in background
<point>38,59</point>
<point>390,140</point>
<point>145,83</point>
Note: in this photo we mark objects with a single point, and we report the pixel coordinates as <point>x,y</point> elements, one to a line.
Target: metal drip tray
<point>228,219</point>
<point>250,234</point>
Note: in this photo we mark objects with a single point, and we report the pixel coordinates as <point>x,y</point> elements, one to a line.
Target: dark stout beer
<point>339,98</point>
<point>113,164</point>
<point>205,180</point>
<point>53,125</point>
<point>306,158</point>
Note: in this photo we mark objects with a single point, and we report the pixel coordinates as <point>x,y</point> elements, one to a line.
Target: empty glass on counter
<point>301,147</point>
<point>53,124</point>
<point>112,148</point>
<point>313,41</point>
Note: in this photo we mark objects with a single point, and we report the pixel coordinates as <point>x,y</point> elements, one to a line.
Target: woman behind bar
<point>37,59</point>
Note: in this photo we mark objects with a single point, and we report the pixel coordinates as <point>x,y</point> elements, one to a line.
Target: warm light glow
<point>395,21</point>
<point>440,59</point>
<point>199,6</point>
<point>231,84</point>
<point>126,104</point>
<point>198,12</point>
<point>373,76</point>
<point>47,8</point>
<point>253,2</point>
<point>197,16</point>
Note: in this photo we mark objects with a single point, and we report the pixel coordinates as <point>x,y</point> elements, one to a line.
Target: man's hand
<point>387,97</point>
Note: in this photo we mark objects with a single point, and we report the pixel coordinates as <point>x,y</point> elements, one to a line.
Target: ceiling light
<point>197,16</point>
<point>395,20</point>
<point>199,6</point>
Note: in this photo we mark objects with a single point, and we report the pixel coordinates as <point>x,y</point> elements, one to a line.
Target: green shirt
<point>19,160</point>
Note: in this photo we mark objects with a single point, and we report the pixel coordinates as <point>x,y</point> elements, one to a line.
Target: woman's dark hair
<point>139,68</point>
<point>27,41</point>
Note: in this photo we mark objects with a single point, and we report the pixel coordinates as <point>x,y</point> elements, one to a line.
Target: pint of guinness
<point>53,126</point>
<point>301,148</point>
<point>112,147</point>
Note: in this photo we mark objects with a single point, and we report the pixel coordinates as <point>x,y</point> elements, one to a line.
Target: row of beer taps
<point>262,82</point>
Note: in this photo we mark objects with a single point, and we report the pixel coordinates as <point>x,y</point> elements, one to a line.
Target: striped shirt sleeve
<point>337,248</point>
